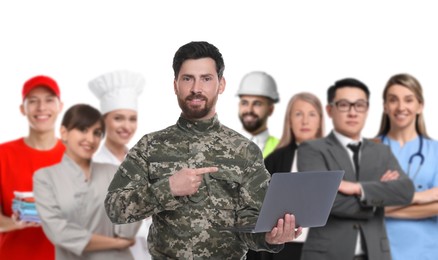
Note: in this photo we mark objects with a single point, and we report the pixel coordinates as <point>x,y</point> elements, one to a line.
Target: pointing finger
<point>205,170</point>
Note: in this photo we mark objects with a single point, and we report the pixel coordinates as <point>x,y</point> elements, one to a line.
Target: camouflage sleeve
<point>254,185</point>
<point>131,197</point>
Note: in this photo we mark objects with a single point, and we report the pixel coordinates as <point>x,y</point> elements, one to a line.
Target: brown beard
<point>250,128</point>
<point>195,112</point>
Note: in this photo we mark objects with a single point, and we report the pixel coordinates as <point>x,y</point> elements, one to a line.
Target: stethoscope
<point>419,153</point>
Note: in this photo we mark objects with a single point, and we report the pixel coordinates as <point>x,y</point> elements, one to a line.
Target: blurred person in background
<point>69,195</point>
<point>403,129</point>
<point>19,159</point>
<point>373,179</point>
<point>257,96</point>
<point>118,93</point>
<point>304,120</point>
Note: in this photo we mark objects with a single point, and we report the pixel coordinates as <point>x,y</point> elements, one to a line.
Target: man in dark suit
<point>373,179</point>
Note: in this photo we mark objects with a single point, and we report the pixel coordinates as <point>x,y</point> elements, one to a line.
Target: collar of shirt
<point>75,168</point>
<point>260,139</point>
<point>104,155</point>
<point>199,126</point>
<point>346,140</point>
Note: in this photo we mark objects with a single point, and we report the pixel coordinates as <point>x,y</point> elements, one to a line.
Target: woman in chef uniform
<point>118,92</point>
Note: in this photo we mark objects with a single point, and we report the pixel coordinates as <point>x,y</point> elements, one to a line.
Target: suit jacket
<point>337,239</point>
<point>281,159</point>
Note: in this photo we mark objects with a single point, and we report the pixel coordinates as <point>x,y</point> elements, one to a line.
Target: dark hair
<point>81,117</point>
<point>347,82</point>
<point>197,50</point>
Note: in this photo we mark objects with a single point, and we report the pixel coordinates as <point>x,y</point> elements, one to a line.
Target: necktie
<point>355,148</point>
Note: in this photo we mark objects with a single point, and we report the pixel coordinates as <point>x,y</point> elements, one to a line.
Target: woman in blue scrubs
<point>413,229</point>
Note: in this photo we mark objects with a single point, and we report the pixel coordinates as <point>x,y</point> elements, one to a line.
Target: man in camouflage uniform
<point>197,177</point>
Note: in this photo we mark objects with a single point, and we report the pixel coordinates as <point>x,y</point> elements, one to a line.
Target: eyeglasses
<point>344,106</point>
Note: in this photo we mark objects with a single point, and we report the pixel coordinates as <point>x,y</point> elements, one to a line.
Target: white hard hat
<point>259,83</point>
<point>117,90</point>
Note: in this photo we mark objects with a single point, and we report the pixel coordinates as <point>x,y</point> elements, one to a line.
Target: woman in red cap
<point>19,159</point>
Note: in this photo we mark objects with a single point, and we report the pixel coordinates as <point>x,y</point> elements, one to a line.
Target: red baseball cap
<point>40,81</point>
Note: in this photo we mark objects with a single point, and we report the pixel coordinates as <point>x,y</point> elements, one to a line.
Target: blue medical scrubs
<point>415,239</point>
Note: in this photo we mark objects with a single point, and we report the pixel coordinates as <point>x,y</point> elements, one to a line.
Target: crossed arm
<point>424,205</point>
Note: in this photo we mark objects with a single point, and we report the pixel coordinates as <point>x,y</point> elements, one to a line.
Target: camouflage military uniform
<point>189,227</point>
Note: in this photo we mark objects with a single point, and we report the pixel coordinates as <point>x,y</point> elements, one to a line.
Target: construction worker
<point>258,94</point>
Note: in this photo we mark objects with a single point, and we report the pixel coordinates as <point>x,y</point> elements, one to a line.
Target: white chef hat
<point>117,90</point>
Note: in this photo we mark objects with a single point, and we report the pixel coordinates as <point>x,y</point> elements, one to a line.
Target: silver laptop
<point>307,195</point>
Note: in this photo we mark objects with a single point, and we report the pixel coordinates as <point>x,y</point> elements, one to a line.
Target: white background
<point>304,45</point>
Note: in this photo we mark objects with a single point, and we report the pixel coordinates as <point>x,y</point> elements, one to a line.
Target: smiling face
<point>402,107</point>
<point>82,144</point>
<point>41,107</point>
<point>348,123</point>
<point>120,125</point>
<point>305,121</point>
<point>254,112</point>
<point>197,88</point>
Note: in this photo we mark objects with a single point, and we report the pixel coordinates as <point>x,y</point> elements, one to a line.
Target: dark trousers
<point>290,251</point>
<point>254,255</point>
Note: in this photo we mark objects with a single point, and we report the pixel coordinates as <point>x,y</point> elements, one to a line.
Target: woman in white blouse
<point>69,196</point>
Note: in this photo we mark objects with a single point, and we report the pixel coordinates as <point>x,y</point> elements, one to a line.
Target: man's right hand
<point>187,181</point>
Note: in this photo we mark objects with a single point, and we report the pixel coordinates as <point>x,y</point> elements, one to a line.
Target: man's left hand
<point>284,231</point>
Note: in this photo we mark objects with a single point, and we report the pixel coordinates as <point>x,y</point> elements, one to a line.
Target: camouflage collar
<point>200,126</point>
